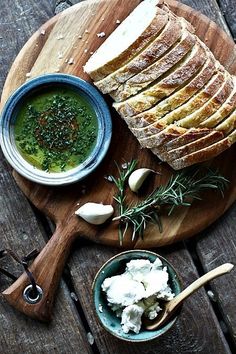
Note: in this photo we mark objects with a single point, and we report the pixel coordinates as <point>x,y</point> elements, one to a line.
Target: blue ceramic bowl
<point>108,319</point>
<point>8,118</point>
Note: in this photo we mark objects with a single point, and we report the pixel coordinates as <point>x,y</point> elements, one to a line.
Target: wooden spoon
<point>171,306</point>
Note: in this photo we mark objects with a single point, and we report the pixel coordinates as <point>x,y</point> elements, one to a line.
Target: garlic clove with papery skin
<point>95,213</point>
<point>137,178</point>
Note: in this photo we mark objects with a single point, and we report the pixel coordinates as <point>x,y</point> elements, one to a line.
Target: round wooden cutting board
<point>64,44</point>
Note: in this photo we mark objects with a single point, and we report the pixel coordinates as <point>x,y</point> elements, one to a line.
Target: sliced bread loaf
<point>163,42</point>
<point>174,95</point>
<point>177,79</point>
<point>128,40</point>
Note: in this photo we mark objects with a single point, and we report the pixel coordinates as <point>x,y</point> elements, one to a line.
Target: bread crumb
<point>66,61</point>
<point>57,70</point>
<point>60,37</point>
<point>101,34</point>
<point>117,22</point>
<point>71,61</point>
<point>28,74</point>
<point>91,53</point>
<point>86,31</point>
<point>60,55</point>
<point>80,36</point>
<point>86,50</point>
<point>43,32</point>
<point>103,19</point>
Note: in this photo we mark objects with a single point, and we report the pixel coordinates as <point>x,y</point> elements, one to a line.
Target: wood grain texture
<point>196,331</point>
<point>19,228</point>
<point>61,35</point>
<point>217,246</point>
<point>209,9</point>
<point>217,243</point>
<point>228,9</point>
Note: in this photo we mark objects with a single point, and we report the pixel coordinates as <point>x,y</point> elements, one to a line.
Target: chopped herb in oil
<point>56,131</point>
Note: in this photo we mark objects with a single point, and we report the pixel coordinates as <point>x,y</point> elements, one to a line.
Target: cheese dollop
<point>137,292</point>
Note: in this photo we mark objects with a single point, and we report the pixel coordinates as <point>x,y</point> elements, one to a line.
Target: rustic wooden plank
<point>228,8</point>
<point>19,227</point>
<point>19,19</point>
<point>217,244</point>
<point>196,331</point>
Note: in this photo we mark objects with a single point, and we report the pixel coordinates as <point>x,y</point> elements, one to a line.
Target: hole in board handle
<point>30,297</point>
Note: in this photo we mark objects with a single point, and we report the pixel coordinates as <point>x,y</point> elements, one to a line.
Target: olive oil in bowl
<point>56,129</point>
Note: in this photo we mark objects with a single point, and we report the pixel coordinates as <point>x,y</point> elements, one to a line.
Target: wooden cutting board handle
<point>46,269</point>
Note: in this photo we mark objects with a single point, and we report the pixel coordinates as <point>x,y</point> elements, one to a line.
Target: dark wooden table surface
<point>207,323</point>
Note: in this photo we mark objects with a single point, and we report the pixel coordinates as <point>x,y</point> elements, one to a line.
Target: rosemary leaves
<point>181,190</point>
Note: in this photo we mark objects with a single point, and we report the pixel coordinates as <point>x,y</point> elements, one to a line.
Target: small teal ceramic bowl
<point>38,85</point>
<point>114,266</point>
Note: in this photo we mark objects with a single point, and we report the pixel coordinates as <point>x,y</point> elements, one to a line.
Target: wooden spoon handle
<point>177,301</point>
<point>46,269</point>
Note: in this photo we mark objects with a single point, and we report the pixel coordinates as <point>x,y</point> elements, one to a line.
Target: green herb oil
<point>56,130</point>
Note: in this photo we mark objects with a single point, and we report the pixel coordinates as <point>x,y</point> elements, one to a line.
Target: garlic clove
<point>137,178</point>
<point>95,213</point>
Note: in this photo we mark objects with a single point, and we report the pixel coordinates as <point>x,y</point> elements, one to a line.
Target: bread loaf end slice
<point>155,50</point>
<point>129,39</point>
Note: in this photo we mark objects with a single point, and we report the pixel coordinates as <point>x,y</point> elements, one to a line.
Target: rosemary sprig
<point>120,183</point>
<point>181,190</point>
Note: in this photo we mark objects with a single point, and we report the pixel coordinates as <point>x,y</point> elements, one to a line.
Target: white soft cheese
<point>137,291</point>
<point>131,318</point>
<point>122,290</point>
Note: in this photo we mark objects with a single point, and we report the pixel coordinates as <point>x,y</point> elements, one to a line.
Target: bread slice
<point>163,42</point>
<point>196,145</point>
<point>228,124</point>
<point>140,28</point>
<point>210,107</point>
<point>164,88</point>
<point>223,112</point>
<point>155,71</point>
<point>191,135</point>
<point>205,153</point>
<point>176,99</point>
